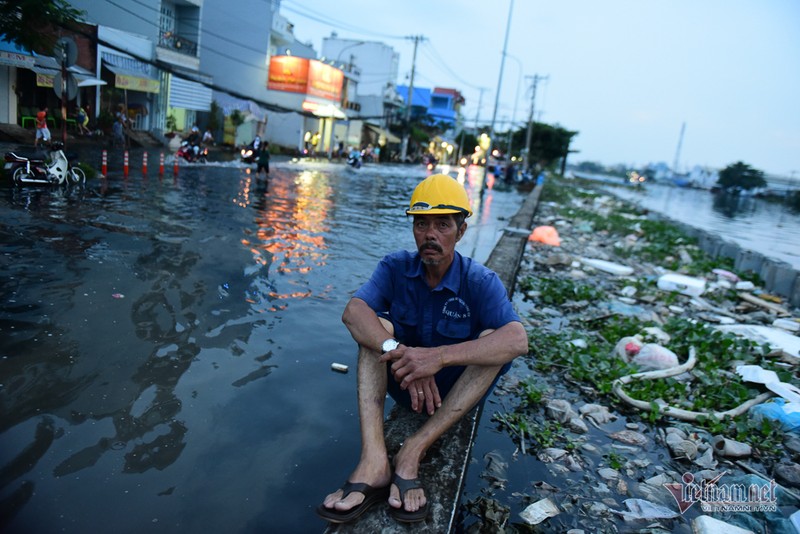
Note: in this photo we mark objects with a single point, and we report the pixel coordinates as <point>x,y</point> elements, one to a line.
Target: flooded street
<point>167,342</point>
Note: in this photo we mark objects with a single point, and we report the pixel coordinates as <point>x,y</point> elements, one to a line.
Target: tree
<point>32,23</point>
<point>549,144</point>
<point>738,176</point>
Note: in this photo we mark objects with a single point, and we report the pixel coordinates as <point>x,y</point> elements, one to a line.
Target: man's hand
<point>415,364</point>
<point>424,393</point>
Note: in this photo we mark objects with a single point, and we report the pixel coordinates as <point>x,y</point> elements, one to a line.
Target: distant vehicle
<point>249,153</point>
<point>192,153</point>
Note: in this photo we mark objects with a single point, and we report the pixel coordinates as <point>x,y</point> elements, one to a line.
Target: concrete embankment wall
<point>444,467</point>
<point>779,277</point>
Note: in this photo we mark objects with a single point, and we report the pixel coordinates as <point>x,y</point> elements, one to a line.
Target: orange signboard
<point>307,76</point>
<point>288,73</point>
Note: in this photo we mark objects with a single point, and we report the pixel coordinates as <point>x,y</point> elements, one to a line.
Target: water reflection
<point>160,338</point>
<point>755,224</point>
<point>731,205</point>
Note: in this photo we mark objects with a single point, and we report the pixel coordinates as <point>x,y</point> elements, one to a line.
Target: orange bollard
<point>161,165</point>
<point>125,164</point>
<point>144,163</point>
<point>104,167</point>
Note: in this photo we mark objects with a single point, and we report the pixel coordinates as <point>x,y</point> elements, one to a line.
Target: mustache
<point>432,246</point>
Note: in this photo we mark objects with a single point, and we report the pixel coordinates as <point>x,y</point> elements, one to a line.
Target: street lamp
<point>349,63</point>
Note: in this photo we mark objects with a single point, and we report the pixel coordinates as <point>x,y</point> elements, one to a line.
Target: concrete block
<point>779,277</point>
<point>710,243</point>
<point>747,260</point>
<point>729,249</point>
<point>794,299</point>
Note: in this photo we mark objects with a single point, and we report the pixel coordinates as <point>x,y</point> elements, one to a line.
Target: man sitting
<point>435,330</point>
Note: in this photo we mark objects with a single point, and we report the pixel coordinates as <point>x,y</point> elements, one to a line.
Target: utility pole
<point>477,115</point>
<point>407,132</point>
<point>526,163</point>
<point>497,93</point>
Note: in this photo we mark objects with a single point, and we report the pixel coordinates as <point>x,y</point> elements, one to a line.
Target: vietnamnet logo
<point>716,497</point>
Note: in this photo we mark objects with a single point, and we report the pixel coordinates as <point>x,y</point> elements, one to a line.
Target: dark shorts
<point>445,379</point>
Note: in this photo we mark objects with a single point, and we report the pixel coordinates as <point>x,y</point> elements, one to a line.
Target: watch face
<point>389,344</point>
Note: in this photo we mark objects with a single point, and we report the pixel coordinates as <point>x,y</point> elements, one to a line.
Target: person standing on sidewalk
<point>435,330</point>
<point>42,131</point>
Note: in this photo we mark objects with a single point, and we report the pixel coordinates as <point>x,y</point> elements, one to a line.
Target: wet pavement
<point>167,341</point>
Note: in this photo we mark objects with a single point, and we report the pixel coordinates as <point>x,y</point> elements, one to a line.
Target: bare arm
<point>496,348</point>
<point>364,325</point>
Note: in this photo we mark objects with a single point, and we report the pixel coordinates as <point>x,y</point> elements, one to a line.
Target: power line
<point>327,20</point>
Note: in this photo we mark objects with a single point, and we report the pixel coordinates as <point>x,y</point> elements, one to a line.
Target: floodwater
<point>769,228</point>
<point>166,349</point>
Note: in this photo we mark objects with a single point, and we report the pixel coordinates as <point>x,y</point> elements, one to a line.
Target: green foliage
<point>237,119</point>
<point>740,176</point>
<point>548,144</point>
<point>557,291</point>
<point>591,167</point>
<point>34,24</point>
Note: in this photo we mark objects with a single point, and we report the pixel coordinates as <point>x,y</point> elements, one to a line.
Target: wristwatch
<point>389,344</point>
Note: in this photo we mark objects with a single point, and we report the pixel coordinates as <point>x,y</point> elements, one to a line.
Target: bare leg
<point>373,466</point>
<point>464,395</point>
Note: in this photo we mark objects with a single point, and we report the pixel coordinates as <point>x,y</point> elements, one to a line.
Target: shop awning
<point>390,137</point>
<point>230,103</point>
<point>13,55</point>
<point>130,73</point>
<point>47,67</point>
<point>187,94</point>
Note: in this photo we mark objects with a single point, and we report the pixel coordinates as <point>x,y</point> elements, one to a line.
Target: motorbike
<point>56,170</point>
<point>354,160</point>
<point>249,153</point>
<point>192,153</point>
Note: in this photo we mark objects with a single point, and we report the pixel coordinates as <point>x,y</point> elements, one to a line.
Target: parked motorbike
<point>56,170</point>
<point>249,153</point>
<point>192,153</point>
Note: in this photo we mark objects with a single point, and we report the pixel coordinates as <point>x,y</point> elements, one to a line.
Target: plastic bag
<point>778,410</point>
<point>545,234</point>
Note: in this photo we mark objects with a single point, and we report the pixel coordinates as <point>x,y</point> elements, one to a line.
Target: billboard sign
<point>305,76</point>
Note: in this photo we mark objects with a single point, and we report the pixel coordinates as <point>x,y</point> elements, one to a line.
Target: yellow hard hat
<point>439,194</point>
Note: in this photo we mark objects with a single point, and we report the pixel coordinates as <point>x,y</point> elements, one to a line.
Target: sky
<point>625,74</point>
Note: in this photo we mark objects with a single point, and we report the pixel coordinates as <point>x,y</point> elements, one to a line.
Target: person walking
<point>435,330</point>
<point>42,131</point>
<point>263,159</point>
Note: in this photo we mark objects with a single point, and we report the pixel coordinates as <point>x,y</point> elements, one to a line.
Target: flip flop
<point>400,514</point>
<point>371,496</point>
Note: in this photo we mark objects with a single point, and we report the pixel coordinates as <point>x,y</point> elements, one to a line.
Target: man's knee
<point>387,324</point>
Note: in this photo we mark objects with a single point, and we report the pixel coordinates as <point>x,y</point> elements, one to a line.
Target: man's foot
<point>368,497</point>
<point>407,500</point>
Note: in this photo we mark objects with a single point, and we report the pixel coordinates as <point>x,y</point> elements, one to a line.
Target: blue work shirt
<point>470,299</point>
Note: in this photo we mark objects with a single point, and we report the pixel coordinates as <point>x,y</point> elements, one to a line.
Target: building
<point>370,96</point>
<point>152,56</point>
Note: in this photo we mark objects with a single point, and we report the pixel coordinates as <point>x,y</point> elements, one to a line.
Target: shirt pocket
<point>458,330</point>
<point>405,322</point>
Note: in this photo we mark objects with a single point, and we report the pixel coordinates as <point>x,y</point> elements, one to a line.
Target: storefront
<point>131,85</point>
<point>312,87</point>
<point>12,57</point>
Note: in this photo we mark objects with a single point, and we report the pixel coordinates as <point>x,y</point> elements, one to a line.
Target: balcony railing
<point>177,43</point>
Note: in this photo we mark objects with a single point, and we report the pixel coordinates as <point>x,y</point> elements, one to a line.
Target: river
<point>166,349</point>
<point>770,228</point>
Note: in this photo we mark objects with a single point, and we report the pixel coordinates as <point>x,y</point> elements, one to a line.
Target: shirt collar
<point>451,280</point>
